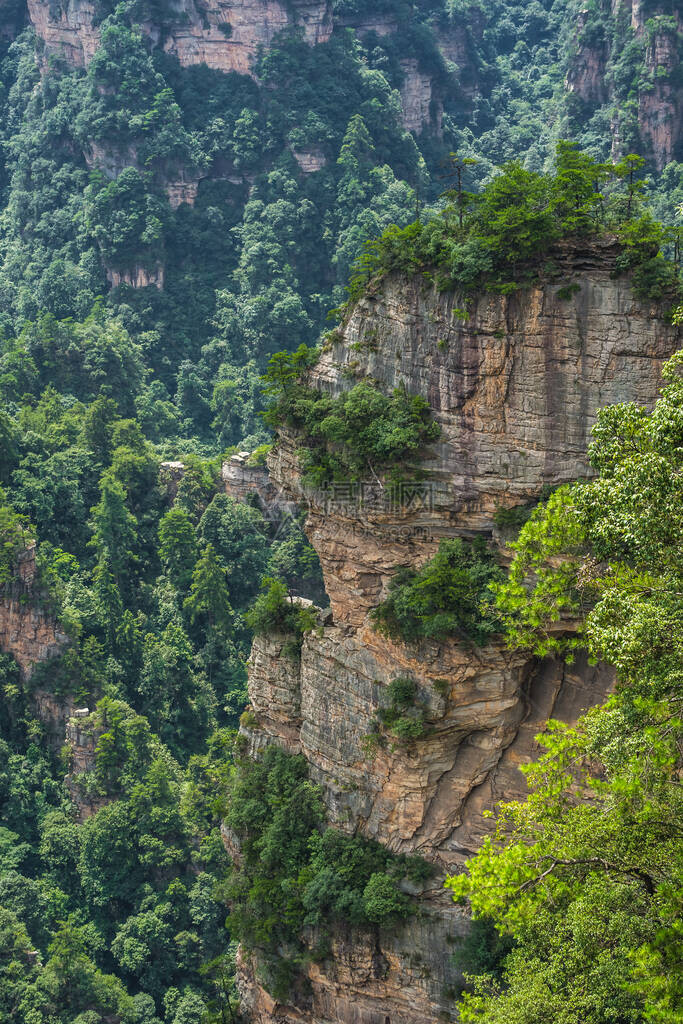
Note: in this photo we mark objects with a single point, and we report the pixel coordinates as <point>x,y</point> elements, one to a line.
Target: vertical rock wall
<point>28,629</point>
<point>225,34</point>
<point>515,386</point>
<point>658,27</point>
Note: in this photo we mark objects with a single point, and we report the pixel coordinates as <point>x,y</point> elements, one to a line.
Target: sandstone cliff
<point>29,630</point>
<point>515,386</point>
<point>31,633</point>
<point>660,112</point>
<point>225,34</point>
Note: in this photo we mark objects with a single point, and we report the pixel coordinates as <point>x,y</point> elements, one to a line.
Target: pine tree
<point>114,531</point>
<point>178,547</point>
<point>209,595</point>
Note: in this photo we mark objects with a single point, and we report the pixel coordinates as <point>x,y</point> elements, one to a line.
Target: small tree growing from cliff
<point>449,597</point>
<point>359,435</point>
<point>275,612</point>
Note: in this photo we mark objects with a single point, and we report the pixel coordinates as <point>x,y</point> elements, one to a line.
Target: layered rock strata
<point>29,630</point>
<point>660,112</point>
<point>81,734</point>
<point>421,104</point>
<point>225,35</point>
<point>515,383</point>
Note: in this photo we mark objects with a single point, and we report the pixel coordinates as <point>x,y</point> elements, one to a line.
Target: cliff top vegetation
<point>494,239</point>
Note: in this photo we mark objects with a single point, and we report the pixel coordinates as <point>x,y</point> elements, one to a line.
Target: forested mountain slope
<point>185,190</point>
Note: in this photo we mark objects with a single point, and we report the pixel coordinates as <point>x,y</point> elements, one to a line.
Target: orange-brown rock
<point>515,383</point>
<point>245,481</point>
<point>365,22</point>
<point>80,736</point>
<point>586,74</point>
<point>401,974</point>
<point>225,34</point>
<point>67,29</point>
<point>658,27</point>
<point>29,630</point>
<point>660,111</point>
<point>54,712</point>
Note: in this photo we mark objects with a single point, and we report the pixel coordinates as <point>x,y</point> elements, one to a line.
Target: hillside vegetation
<point>134,331</point>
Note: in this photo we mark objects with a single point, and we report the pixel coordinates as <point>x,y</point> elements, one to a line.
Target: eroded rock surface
<point>421,105</point>
<point>515,383</point>
<point>658,96</point>
<point>224,35</point>
<point>29,630</point>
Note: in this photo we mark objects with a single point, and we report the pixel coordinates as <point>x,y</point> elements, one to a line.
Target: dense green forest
<point>134,331</point>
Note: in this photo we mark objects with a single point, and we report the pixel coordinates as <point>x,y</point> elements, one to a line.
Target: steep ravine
<point>515,385</point>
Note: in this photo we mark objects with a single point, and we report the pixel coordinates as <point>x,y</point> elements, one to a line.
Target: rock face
<point>28,630</point>
<point>225,34</point>
<point>515,383</point>
<point>660,114</point>
<point>586,74</point>
<point>402,975</point>
<point>137,277</point>
<point>81,734</point>
<point>244,481</point>
<point>421,106</point>
<point>310,159</point>
<point>67,29</point>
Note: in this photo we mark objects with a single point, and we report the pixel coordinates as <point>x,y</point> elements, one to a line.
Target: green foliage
<point>589,890</point>
<point>237,533</point>
<point>94,392</point>
<point>209,592</point>
<point>515,516</point>
<point>178,546</point>
<point>382,901</point>
<point>293,871</point>
<point>449,597</point>
<point>356,436</point>
<point>276,613</point>
<point>401,717</point>
<point>295,562</point>
<point>654,276</point>
<point>483,950</point>
<point>15,534</point>
<point>518,216</point>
